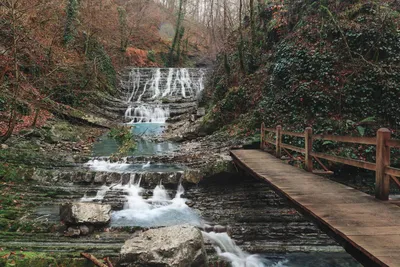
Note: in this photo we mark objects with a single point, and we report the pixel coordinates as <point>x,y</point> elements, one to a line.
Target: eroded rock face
<point>174,246</point>
<point>85,213</point>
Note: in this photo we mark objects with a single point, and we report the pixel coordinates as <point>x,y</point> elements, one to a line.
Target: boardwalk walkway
<point>369,227</point>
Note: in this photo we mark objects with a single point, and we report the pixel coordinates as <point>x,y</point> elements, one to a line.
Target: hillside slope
<point>332,65</point>
<point>70,52</point>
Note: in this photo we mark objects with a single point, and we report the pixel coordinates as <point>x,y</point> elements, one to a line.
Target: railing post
<point>308,148</point>
<point>278,141</point>
<point>382,181</point>
<point>262,136</point>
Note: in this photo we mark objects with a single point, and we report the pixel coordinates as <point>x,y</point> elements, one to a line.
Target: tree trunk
<point>171,60</point>
<point>241,60</point>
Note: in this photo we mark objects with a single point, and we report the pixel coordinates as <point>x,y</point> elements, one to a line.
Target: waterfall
<point>146,113</point>
<point>161,210</point>
<point>158,210</point>
<point>229,251</point>
<point>146,88</point>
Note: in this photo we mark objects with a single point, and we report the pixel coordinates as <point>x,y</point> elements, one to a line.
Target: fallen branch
<point>107,260</point>
<point>93,259</point>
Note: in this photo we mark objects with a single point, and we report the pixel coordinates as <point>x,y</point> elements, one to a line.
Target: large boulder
<point>85,213</point>
<point>174,246</point>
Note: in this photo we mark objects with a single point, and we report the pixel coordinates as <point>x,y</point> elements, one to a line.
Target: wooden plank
<point>269,129</point>
<point>393,143</point>
<point>352,162</point>
<point>346,139</point>
<point>370,226</point>
<point>392,171</point>
<point>382,180</point>
<point>270,141</point>
<point>293,134</point>
<point>294,148</point>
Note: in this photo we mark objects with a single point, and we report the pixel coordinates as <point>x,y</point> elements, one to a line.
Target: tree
<point>178,32</point>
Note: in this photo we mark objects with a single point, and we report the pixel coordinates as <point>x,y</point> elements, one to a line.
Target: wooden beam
<point>262,136</point>
<point>270,141</point>
<point>294,148</point>
<point>293,134</point>
<point>395,180</point>
<point>308,149</point>
<point>393,143</point>
<point>392,171</point>
<point>269,130</point>
<point>352,162</point>
<point>382,180</point>
<point>346,139</point>
<point>278,141</point>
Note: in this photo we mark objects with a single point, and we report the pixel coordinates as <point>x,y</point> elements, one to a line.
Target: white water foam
<point>230,252</point>
<point>152,85</point>
<point>159,83</point>
<point>101,193</point>
<point>158,210</point>
<point>147,113</point>
<point>161,210</point>
<point>107,165</point>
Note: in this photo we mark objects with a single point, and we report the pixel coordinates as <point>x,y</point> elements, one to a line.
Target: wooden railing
<point>383,142</point>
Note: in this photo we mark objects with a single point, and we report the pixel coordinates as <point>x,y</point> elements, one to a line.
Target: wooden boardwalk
<point>369,228</point>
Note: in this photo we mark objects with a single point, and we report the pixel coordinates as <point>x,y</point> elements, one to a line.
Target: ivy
<point>72,11</point>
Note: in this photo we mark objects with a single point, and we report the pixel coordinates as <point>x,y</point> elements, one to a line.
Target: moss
<point>39,259</point>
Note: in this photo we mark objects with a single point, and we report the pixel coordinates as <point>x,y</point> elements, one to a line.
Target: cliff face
<point>332,65</point>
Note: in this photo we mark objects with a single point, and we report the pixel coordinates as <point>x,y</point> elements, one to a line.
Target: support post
<point>308,148</point>
<point>382,181</point>
<point>278,141</point>
<point>262,136</point>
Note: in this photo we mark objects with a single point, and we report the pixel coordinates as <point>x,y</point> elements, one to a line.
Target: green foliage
<point>124,138</point>
<point>151,56</point>
<point>97,53</point>
<point>12,173</point>
<point>123,26</point>
<point>72,11</point>
<point>335,70</point>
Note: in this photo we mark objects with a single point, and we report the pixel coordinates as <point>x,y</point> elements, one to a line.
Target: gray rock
<point>85,213</point>
<point>84,230</point>
<point>4,146</point>
<point>192,176</point>
<point>174,246</point>
<point>72,232</point>
<point>201,112</point>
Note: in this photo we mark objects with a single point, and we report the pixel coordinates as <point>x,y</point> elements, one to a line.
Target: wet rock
<point>192,176</point>
<point>100,178</point>
<point>174,246</point>
<point>189,203</point>
<point>4,146</point>
<point>84,230</point>
<point>201,112</point>
<point>85,213</point>
<point>220,229</point>
<point>73,232</point>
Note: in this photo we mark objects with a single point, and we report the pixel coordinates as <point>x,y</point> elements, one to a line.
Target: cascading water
<point>161,210</point>
<point>101,193</point>
<point>146,88</point>
<point>158,210</point>
<point>147,113</point>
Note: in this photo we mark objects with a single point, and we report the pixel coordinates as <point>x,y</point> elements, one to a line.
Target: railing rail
<point>383,142</point>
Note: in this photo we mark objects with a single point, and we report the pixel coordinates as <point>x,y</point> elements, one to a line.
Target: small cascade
<point>151,84</point>
<point>146,113</point>
<point>229,251</point>
<point>101,193</point>
<point>158,210</point>
<point>145,89</point>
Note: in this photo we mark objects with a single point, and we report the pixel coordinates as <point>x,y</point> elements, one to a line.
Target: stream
<point>243,221</point>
